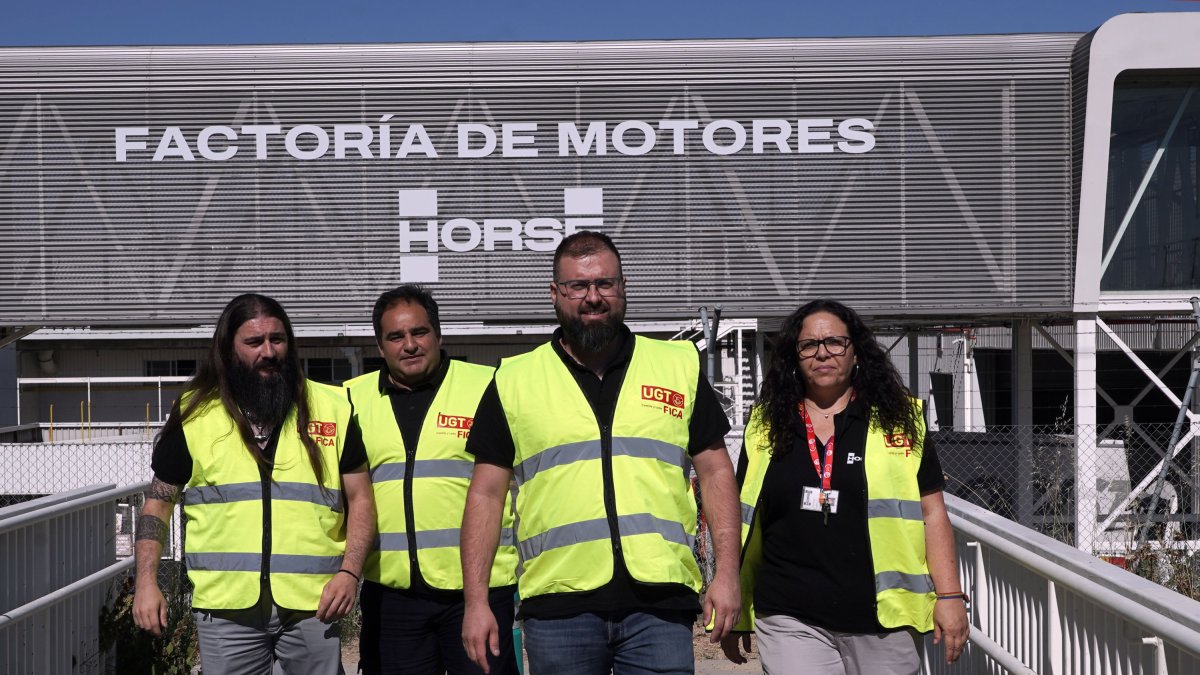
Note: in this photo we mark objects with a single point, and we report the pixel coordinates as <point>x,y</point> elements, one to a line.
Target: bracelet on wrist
<point>356,578</point>
<point>953,596</point>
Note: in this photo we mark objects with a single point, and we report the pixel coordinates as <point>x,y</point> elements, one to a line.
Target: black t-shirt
<point>412,405</point>
<point>822,574</point>
<point>491,442</point>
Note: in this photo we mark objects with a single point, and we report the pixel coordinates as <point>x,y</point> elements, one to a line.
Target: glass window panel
<point>1159,245</point>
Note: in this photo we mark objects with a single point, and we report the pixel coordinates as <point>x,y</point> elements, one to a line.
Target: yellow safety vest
<point>904,594</point>
<point>567,467</point>
<point>223,504</point>
<point>431,482</point>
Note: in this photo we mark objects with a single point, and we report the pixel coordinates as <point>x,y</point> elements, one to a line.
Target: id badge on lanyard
<point>824,499</point>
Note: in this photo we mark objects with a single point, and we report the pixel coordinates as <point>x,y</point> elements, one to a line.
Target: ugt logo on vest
<point>457,424</point>
<point>672,401</point>
<point>324,433</point>
<point>898,441</point>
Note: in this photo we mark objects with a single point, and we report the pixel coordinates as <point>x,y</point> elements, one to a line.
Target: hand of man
<point>722,603</point>
<point>729,645</point>
<point>480,634</point>
<point>150,609</point>
<point>950,624</point>
<point>337,599</point>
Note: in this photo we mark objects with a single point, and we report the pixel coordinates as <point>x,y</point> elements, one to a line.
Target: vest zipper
<point>265,567</point>
<point>610,497</point>
<point>410,530</point>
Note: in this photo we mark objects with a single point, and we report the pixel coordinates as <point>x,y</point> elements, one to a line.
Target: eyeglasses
<point>835,345</point>
<point>578,288</point>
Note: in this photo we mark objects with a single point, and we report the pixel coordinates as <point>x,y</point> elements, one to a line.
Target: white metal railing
<point>1041,606</point>
<point>58,554</point>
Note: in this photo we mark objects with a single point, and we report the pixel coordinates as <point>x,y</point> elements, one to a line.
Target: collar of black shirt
<point>386,386</point>
<point>619,359</point>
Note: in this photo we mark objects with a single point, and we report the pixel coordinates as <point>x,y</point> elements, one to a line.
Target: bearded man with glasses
<point>597,426</point>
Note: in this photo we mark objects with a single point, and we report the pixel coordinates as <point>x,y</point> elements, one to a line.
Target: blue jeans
<point>623,643</point>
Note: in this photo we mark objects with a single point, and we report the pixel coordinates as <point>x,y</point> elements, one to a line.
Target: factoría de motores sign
<point>423,230</point>
<point>307,142</point>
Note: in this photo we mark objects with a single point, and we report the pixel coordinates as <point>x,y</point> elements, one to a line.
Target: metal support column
<point>1086,497</point>
<point>760,348</point>
<point>914,365</point>
<point>1022,416</point>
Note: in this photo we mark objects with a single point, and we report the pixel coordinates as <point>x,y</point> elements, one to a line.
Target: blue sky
<point>131,22</point>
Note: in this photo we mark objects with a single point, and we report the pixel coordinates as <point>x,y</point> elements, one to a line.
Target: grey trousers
<point>264,637</point>
<point>787,646</point>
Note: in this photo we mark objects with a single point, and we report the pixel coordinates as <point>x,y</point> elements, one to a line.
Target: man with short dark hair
<point>597,427</point>
<point>416,413</point>
<point>276,497</point>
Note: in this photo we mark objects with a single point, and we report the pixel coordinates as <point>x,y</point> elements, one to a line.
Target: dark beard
<point>592,337</point>
<point>265,399</point>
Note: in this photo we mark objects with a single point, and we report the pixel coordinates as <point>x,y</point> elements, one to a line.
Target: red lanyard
<point>827,474</point>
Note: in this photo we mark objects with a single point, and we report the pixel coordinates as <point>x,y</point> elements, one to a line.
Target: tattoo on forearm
<point>151,528</point>
<point>163,491</point>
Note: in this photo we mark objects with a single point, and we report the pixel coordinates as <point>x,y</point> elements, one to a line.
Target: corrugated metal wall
<point>963,206</point>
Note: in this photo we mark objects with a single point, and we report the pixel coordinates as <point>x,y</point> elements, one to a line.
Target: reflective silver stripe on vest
<point>223,562</point>
<point>391,541</point>
<point>307,492</point>
<point>437,538</point>
<point>894,508</point>
<point>560,455</point>
<point>747,514</point>
<point>398,541</point>
<point>917,583</point>
<point>222,494</point>
<point>424,468</point>
<point>245,492</point>
<point>647,448</point>
<point>644,523</point>
<point>252,562</point>
<point>563,535</point>
<point>596,529</point>
<point>443,468</point>
<point>386,472</point>
<point>642,448</point>
<point>286,563</point>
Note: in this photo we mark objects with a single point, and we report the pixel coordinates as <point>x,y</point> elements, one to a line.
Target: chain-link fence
<point>1037,476</point>
<point>32,469</point>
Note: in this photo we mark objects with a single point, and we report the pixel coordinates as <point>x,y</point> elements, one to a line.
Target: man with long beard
<point>276,497</point>
<point>597,426</point>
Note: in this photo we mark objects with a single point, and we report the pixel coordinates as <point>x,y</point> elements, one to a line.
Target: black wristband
<point>356,578</point>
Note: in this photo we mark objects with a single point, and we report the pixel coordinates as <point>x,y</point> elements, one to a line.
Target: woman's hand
<point>950,627</point>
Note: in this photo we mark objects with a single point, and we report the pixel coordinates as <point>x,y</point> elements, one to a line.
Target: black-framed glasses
<point>578,288</point>
<point>835,345</point>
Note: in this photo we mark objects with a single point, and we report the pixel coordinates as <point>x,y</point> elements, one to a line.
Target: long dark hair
<point>876,381</point>
<point>211,382</point>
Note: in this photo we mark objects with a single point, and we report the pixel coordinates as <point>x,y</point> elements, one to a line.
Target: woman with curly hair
<point>847,551</point>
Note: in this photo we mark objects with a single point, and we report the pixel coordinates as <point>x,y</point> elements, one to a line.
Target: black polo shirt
<point>823,574</point>
<point>491,442</point>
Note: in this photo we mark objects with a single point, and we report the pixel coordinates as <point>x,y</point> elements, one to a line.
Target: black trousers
<point>413,633</point>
